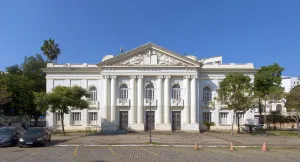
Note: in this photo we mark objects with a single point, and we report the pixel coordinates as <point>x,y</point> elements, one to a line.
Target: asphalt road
<point>117,153</point>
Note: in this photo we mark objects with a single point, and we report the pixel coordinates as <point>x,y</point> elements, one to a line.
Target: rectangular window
<point>76,118</point>
<point>93,118</point>
<point>93,96</point>
<point>223,118</point>
<point>57,118</point>
<point>241,118</point>
<point>206,117</point>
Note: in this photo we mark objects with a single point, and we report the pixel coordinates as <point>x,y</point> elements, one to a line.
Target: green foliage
<point>4,93</point>
<point>14,70</point>
<point>51,50</point>
<point>267,83</point>
<point>274,117</point>
<point>293,104</point>
<point>268,79</point>
<point>236,92</point>
<point>61,99</point>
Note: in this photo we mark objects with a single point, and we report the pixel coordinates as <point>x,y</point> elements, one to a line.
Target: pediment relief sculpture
<point>166,60</point>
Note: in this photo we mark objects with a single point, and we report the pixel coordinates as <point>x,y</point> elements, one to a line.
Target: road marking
<point>75,151</point>
<point>111,150</point>
<point>36,151</point>
<point>150,152</point>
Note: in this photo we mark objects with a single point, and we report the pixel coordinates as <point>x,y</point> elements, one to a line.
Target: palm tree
<point>51,50</point>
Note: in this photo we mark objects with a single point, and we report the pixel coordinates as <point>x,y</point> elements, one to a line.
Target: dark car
<point>35,136</point>
<point>9,136</point>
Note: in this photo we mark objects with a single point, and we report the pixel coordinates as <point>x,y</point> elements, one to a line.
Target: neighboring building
<point>123,88</point>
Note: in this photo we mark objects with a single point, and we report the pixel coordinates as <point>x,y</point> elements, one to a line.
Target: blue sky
<point>262,32</point>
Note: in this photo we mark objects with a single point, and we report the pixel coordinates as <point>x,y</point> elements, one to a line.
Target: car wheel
<point>44,143</point>
<point>20,146</point>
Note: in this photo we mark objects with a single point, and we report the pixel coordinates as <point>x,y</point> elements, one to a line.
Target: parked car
<point>9,136</point>
<point>35,136</point>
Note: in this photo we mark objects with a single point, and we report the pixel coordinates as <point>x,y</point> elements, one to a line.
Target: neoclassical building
<point>149,87</point>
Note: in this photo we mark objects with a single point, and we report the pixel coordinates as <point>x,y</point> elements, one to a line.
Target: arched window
<point>93,94</point>
<point>176,92</point>
<point>150,91</point>
<point>207,94</point>
<point>279,107</point>
<point>123,93</point>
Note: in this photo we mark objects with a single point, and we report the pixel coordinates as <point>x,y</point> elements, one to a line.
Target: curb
<point>200,146</point>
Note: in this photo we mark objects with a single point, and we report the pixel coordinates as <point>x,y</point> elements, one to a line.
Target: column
<point>113,99</point>
<point>140,97</point>
<point>186,109</point>
<point>132,111</point>
<point>159,116</point>
<point>193,100</point>
<point>105,99</point>
<point>167,100</point>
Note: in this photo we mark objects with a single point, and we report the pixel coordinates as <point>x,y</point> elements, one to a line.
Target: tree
<point>4,94</point>
<point>61,99</point>
<point>293,105</point>
<point>208,125</point>
<point>282,119</point>
<point>236,92</point>
<point>267,80</point>
<point>51,50</point>
<point>274,117</point>
<point>14,70</point>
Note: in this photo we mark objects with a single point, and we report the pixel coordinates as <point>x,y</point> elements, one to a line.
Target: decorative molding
<point>140,76</point>
<point>132,76</point>
<point>167,77</point>
<point>194,77</point>
<point>113,77</point>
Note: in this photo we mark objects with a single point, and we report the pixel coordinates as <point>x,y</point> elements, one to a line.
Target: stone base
<point>192,128</point>
<point>109,127</point>
<point>136,127</point>
<point>164,127</point>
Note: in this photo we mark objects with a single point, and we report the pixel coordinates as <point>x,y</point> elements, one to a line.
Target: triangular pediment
<point>150,55</point>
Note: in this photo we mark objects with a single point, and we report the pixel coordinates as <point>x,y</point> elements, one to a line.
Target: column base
<point>191,128</point>
<point>136,127</point>
<point>165,127</point>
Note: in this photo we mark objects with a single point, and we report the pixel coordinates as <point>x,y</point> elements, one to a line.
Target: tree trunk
<point>62,122</point>
<point>280,126</point>
<point>265,115</point>
<point>238,122</point>
<point>232,123</point>
<point>36,119</point>
<point>298,124</point>
<point>274,126</point>
<point>260,114</point>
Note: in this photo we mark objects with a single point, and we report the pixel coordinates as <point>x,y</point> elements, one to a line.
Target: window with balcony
<point>206,117</point>
<point>76,118</point>
<point>207,96</point>
<point>123,93</point>
<point>150,91</point>
<point>223,118</point>
<point>93,118</point>
<point>176,92</point>
<point>93,94</point>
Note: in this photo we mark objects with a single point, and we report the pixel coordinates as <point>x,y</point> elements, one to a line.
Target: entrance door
<point>176,120</point>
<point>123,120</point>
<point>149,120</point>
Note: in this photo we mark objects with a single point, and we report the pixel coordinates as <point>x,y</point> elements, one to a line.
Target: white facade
<point>124,88</point>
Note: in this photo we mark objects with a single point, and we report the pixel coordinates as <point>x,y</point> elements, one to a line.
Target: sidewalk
<point>203,139</point>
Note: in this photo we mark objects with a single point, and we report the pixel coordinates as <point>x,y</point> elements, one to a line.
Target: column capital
<point>132,76</point>
<point>194,76</point>
<point>186,77</point>
<point>167,76</point>
<point>140,76</point>
<point>113,76</point>
<point>105,76</point>
<point>160,77</point>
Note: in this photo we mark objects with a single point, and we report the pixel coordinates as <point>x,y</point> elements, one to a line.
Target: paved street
<point>110,153</point>
<point>203,139</point>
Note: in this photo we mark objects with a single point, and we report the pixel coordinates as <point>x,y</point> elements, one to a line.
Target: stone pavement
<point>155,154</point>
<point>203,139</point>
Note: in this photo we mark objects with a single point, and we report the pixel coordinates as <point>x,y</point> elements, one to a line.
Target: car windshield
<point>35,131</point>
<point>6,131</point>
